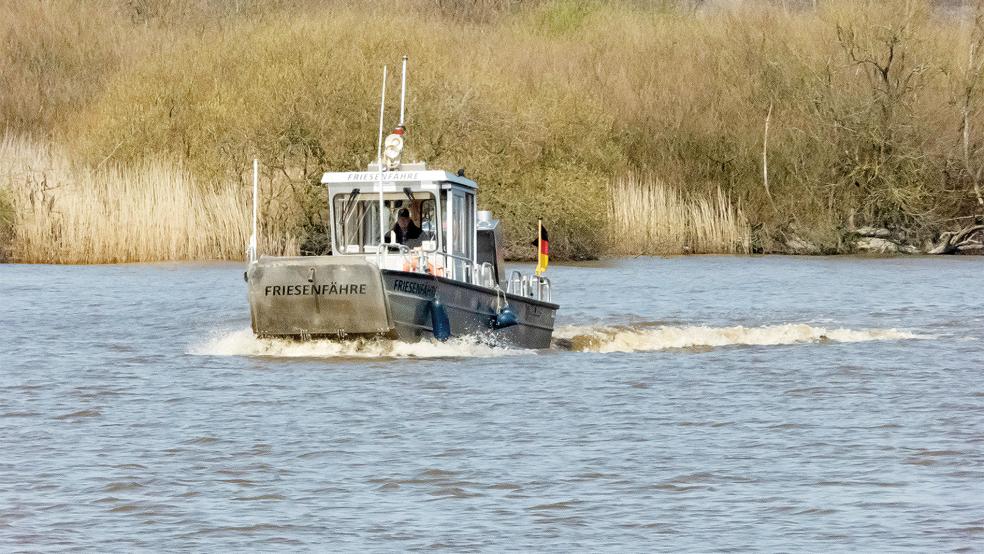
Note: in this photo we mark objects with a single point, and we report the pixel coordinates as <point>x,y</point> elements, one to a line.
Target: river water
<point>689,404</point>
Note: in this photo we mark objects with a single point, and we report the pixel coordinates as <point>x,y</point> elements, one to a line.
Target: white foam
<point>582,338</point>
<point>245,343</point>
<point>597,338</point>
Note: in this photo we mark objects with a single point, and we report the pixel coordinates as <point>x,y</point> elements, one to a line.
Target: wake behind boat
<point>411,258</point>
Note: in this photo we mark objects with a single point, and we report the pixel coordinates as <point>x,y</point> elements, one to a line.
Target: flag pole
<point>539,246</point>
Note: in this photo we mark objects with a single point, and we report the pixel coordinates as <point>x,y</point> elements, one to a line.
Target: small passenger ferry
<point>412,258</point>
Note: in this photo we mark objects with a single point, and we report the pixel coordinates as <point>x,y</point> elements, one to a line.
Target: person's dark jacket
<point>413,232</point>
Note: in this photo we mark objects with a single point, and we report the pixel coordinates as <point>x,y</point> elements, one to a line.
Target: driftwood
<point>952,241</point>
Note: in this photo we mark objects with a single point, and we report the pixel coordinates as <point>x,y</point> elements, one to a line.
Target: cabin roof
<point>423,177</point>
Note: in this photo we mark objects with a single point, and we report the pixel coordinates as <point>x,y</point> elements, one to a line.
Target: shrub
<point>542,103</point>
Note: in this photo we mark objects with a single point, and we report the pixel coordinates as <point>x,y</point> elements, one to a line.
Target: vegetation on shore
<point>645,216</point>
<point>755,127</point>
<point>149,210</point>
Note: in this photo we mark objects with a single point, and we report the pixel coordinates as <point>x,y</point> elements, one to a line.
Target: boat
<point>412,258</point>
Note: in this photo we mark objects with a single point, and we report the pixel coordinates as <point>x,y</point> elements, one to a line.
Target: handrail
<point>386,246</point>
<point>470,272</point>
<point>486,275</point>
<point>545,287</point>
<point>402,248</point>
<point>514,284</point>
<point>529,286</point>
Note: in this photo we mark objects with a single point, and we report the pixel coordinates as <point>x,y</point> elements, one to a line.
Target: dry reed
<point>541,102</point>
<point>645,216</point>
<point>145,212</point>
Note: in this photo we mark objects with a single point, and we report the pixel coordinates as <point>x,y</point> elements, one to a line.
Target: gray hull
<point>346,297</point>
<point>471,310</point>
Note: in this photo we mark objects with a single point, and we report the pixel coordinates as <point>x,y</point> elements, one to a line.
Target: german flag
<point>543,248</point>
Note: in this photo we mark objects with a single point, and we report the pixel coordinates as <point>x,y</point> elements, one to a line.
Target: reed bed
<point>875,109</point>
<point>145,212</point>
<point>645,216</point>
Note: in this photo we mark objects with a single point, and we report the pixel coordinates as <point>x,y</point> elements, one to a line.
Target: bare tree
<point>972,79</point>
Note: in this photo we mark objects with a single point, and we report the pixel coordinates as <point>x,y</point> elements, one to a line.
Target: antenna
<point>382,105</point>
<point>379,158</point>
<point>251,249</point>
<point>403,92</point>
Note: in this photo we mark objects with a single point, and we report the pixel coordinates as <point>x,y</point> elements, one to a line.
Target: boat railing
<point>442,264</point>
<point>485,275</point>
<point>419,260</point>
<point>544,289</point>
<point>452,266</point>
<point>447,265</point>
<point>528,286</point>
<point>381,253</point>
<point>515,283</point>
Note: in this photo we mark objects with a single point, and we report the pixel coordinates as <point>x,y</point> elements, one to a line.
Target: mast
<point>403,92</point>
<point>379,159</point>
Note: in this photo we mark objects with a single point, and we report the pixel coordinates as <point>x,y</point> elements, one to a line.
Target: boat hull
<point>347,297</point>
<point>471,310</point>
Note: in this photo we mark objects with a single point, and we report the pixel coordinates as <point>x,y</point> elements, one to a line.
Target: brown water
<point>695,404</point>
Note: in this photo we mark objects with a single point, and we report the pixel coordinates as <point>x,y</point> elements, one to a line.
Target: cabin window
<point>461,220</point>
<point>356,221</point>
<point>463,224</point>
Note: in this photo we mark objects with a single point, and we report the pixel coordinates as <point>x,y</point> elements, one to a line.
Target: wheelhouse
<point>441,236</point>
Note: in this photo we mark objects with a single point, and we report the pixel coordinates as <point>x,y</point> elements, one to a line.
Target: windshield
<point>410,222</point>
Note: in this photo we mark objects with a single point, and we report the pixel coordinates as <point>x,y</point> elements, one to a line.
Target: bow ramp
<point>317,296</point>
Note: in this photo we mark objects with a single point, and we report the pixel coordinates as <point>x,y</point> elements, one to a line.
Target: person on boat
<point>404,228</point>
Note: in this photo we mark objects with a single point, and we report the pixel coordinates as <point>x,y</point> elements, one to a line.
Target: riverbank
<point>767,128</point>
<point>54,212</point>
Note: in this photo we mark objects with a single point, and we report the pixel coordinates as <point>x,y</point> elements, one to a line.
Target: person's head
<point>403,217</point>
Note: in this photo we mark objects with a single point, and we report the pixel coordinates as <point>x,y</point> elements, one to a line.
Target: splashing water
<point>578,338</point>
<point>642,338</point>
<point>244,343</point>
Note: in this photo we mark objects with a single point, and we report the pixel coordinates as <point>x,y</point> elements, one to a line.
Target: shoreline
<point>531,261</point>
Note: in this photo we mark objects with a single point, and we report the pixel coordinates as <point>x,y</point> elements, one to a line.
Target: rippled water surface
<point>688,404</point>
